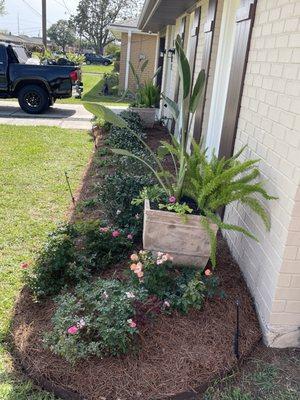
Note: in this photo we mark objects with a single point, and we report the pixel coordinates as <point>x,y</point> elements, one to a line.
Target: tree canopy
<point>94,16</point>
<point>62,34</point>
<point>2,7</point>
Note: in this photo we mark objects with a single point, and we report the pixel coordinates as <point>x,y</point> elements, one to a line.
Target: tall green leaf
<point>183,68</point>
<point>197,92</point>
<point>107,114</point>
<point>172,106</point>
<point>144,65</point>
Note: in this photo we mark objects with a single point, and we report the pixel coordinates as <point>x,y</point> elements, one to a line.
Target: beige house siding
<point>142,47</point>
<point>269,124</point>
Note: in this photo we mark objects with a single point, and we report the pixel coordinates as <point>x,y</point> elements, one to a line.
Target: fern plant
<point>215,183</point>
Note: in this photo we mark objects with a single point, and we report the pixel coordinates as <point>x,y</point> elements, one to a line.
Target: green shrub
<point>73,252</point>
<point>97,320</point>
<point>116,194</point>
<point>180,289</point>
<point>112,80</point>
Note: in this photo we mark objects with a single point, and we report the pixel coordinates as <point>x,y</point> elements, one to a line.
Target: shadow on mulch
<point>179,353</point>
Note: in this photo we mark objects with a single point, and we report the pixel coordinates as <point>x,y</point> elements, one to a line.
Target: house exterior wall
<point>269,124</point>
<point>142,47</point>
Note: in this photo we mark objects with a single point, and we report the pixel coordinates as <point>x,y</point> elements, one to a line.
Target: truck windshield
<point>21,54</point>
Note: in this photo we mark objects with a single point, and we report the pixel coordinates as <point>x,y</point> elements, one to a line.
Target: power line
<point>35,10</point>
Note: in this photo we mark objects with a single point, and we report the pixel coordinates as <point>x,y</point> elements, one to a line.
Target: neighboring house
<point>31,43</point>
<point>136,46</point>
<point>250,50</point>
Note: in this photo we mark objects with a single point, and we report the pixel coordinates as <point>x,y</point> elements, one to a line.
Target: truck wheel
<point>33,99</point>
<point>88,62</point>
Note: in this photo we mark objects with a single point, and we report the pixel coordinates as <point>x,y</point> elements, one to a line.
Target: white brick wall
<point>269,124</point>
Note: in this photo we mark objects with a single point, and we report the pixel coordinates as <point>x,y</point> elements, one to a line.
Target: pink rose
<point>131,323</point>
<point>172,199</point>
<point>104,229</point>
<point>134,257</point>
<point>208,272</point>
<point>130,236</point>
<point>24,265</point>
<point>116,233</point>
<point>73,330</point>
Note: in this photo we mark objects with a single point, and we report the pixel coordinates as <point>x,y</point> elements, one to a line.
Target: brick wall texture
<point>142,47</point>
<point>269,124</point>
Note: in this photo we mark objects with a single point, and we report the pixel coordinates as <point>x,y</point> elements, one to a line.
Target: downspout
<point>127,60</point>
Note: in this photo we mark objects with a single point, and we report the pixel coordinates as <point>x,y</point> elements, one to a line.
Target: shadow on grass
<point>95,95</point>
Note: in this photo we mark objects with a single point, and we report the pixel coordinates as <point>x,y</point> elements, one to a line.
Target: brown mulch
<point>179,353</point>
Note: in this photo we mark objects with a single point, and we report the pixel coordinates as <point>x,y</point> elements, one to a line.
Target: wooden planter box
<point>147,115</point>
<point>187,241</point>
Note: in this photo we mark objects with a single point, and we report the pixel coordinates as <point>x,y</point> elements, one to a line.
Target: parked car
<point>91,58</point>
<point>35,86</point>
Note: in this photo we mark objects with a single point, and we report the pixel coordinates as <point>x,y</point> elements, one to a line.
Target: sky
<point>29,14</point>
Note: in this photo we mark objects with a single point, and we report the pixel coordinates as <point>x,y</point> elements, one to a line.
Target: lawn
<point>92,77</point>
<point>34,197</point>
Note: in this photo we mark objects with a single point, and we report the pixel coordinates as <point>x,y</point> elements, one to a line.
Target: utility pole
<point>44,23</point>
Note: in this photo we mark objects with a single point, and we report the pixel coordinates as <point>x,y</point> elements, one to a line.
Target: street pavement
<point>72,116</point>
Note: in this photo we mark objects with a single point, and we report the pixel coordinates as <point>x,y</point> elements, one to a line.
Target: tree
<point>112,48</point>
<point>62,34</point>
<point>94,16</point>
<point>2,7</point>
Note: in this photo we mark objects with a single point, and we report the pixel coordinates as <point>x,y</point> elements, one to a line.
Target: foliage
<point>78,59</point>
<point>182,289</point>
<point>147,94</point>
<point>152,193</point>
<point>112,48</point>
<point>61,34</point>
<point>116,192</point>
<point>2,7</point>
<point>179,208</point>
<point>62,262</point>
<point>216,183</point>
<point>93,18</point>
<point>97,320</point>
<point>112,81</point>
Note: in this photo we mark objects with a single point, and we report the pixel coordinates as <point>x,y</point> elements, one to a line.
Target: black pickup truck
<point>35,86</point>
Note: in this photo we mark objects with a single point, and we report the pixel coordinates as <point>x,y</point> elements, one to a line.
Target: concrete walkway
<point>72,116</point>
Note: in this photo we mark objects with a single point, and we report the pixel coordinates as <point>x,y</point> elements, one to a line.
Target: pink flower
<point>208,272</point>
<point>134,257</point>
<point>24,265</point>
<point>167,304</point>
<point>172,199</point>
<point>140,274</point>
<point>104,229</point>
<point>73,330</point>
<point>131,323</point>
<point>116,233</point>
<point>130,236</point>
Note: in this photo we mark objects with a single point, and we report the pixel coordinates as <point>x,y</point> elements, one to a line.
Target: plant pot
<point>147,115</point>
<point>185,239</point>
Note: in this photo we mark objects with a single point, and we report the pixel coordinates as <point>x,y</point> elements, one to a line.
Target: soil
<point>178,354</point>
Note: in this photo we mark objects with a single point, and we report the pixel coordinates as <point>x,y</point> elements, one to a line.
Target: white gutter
<point>127,60</point>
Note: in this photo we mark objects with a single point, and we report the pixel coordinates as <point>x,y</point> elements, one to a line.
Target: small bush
<point>73,253</point>
<point>112,80</point>
<point>97,320</point>
<point>182,289</point>
<point>116,193</point>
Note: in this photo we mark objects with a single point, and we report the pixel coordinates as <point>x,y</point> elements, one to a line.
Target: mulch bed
<point>179,355</point>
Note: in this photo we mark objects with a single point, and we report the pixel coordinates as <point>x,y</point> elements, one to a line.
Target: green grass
<point>92,77</point>
<point>270,376</point>
<point>34,197</point>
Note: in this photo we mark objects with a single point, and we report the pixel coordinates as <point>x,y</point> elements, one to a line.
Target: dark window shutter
<point>244,20</point>
<point>209,34</point>
<point>194,40</point>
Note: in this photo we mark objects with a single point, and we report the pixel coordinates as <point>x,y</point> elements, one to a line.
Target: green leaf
<point>135,74</point>
<point>107,114</point>
<point>172,106</point>
<point>156,73</point>
<point>144,65</point>
<point>197,92</point>
<point>183,68</point>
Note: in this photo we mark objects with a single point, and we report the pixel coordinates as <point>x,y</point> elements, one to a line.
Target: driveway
<point>71,116</point>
